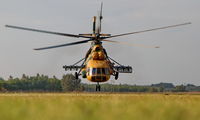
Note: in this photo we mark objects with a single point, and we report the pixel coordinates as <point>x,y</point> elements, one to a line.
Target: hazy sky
<point>177,61</point>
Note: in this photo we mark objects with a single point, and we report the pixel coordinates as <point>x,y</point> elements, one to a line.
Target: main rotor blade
<point>63,45</point>
<point>44,31</point>
<point>130,44</point>
<point>148,30</point>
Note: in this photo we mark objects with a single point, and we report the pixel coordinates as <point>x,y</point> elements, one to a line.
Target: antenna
<point>101,16</point>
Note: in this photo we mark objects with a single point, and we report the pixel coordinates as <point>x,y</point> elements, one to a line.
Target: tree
<point>53,84</point>
<point>161,89</point>
<point>1,84</point>
<point>180,88</point>
<point>70,83</point>
<point>1,79</point>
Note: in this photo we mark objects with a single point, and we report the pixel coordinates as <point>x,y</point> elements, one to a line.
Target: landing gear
<point>116,75</point>
<point>98,87</point>
<point>76,75</point>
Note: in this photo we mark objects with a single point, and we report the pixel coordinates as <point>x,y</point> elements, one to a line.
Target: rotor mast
<point>94,24</point>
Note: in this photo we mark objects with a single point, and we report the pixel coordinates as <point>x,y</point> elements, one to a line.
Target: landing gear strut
<point>98,87</point>
<point>76,75</point>
<point>116,75</point>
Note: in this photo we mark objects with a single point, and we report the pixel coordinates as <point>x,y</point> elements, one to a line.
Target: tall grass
<point>80,106</point>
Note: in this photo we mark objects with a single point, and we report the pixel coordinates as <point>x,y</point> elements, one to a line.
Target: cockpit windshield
<point>98,71</point>
<point>93,71</point>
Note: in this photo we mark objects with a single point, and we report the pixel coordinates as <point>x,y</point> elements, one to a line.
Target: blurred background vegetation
<point>68,83</point>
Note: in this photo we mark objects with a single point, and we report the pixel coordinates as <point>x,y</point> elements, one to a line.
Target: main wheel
<point>76,75</point>
<point>116,75</point>
<point>98,88</point>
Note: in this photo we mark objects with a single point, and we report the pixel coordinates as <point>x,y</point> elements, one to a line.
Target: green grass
<point>86,106</point>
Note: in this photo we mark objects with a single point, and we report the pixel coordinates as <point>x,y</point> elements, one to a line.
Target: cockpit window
<point>94,71</point>
<point>98,71</point>
<point>107,71</point>
<point>103,71</point>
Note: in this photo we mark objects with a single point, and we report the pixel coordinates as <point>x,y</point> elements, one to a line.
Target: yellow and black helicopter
<point>97,66</point>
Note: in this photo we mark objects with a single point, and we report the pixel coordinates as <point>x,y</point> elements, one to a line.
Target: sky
<point>177,60</point>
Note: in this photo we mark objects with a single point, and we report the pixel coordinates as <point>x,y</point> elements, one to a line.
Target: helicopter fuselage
<point>97,66</point>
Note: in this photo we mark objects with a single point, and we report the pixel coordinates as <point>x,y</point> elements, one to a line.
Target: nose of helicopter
<point>98,78</point>
<point>98,74</point>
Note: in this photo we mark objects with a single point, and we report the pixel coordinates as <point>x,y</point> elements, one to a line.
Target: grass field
<point>101,106</point>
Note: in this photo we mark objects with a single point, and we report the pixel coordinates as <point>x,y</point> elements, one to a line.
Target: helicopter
<point>96,66</point>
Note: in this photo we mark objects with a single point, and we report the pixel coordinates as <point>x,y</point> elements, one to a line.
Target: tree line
<point>68,83</point>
